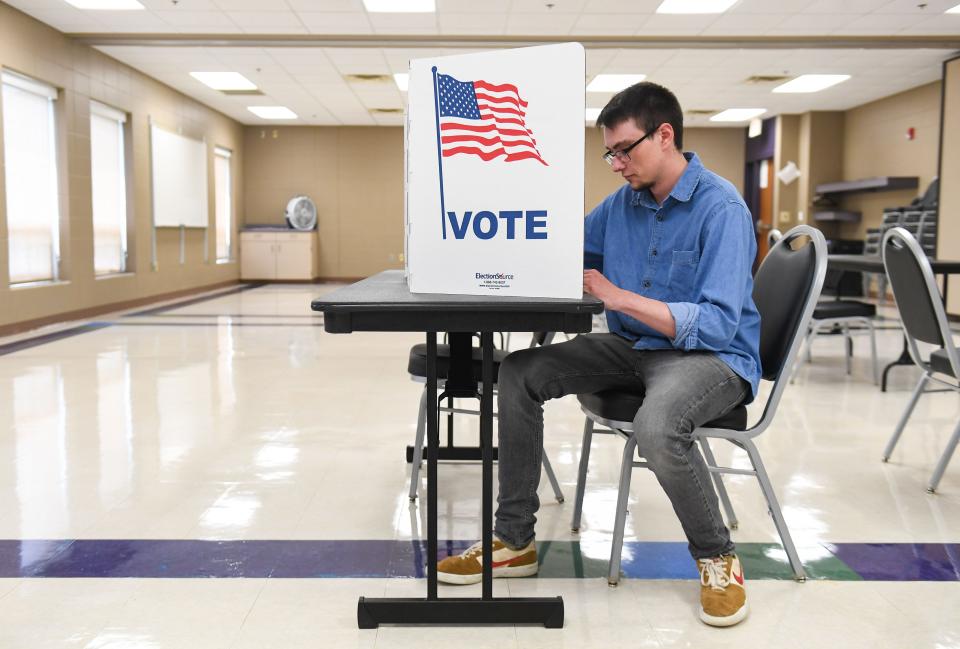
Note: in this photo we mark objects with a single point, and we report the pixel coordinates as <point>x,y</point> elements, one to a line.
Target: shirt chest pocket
<point>683,272</point>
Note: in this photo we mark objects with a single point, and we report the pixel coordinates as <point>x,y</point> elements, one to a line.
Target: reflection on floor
<point>231,437</point>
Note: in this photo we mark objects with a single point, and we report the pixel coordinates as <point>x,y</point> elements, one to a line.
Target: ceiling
<point>299,52</point>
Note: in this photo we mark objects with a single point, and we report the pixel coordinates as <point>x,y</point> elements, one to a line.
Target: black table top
<point>874,264</point>
<point>384,303</point>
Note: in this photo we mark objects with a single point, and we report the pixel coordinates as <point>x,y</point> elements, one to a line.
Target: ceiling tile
<point>198,19</point>
<point>881,24</point>
<point>326,5</point>
<point>943,24</point>
<point>814,24</point>
<point>677,25</point>
<point>404,23</point>
<point>462,23</point>
<point>472,6</point>
<point>743,24</point>
<point>930,8</point>
<point>547,7</point>
<point>844,7</point>
<point>609,24</point>
<point>336,23</point>
<point>265,19</point>
<point>621,7</point>
<point>768,7</point>
<point>538,23</point>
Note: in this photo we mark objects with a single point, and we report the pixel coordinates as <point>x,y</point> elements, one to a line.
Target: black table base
<point>455,453</point>
<point>548,611</point>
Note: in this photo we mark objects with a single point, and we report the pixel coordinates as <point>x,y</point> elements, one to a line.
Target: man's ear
<point>666,136</point>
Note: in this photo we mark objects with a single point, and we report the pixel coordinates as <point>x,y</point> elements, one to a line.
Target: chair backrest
<point>773,236</point>
<point>785,290</point>
<point>917,295</point>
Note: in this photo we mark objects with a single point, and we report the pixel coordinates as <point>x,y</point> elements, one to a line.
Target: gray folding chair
<point>786,288</point>
<point>924,320</point>
<point>417,367</point>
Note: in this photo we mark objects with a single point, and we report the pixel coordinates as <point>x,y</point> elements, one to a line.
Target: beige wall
<point>355,176</point>
<point>948,233</point>
<point>820,161</point>
<point>81,74</point>
<point>875,144</point>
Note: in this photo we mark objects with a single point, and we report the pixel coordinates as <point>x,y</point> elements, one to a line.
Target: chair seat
<point>417,364</point>
<point>940,362</point>
<point>618,405</point>
<point>843,309</point>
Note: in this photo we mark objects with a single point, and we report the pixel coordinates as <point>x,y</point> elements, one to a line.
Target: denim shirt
<point>695,253</point>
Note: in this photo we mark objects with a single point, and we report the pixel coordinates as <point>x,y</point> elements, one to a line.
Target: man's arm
<point>653,313</point>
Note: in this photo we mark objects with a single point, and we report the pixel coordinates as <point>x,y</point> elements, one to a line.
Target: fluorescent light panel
<point>401,6</point>
<point>738,114</point>
<point>402,79</point>
<point>224,80</point>
<point>614,82</point>
<point>272,112</point>
<point>953,10</point>
<point>694,6</point>
<point>592,114</point>
<point>811,82</point>
<point>112,5</point>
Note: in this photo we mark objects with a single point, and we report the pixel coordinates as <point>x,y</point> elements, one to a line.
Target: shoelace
<point>476,548</point>
<point>713,573</point>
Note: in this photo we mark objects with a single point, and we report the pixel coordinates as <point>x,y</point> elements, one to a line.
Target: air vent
<point>368,78</point>
<point>766,78</point>
<point>242,93</point>
<point>702,111</point>
<point>387,111</point>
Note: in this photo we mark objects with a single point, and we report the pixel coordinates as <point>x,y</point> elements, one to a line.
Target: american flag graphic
<point>484,119</point>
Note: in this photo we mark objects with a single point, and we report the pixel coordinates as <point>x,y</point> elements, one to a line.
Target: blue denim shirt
<point>695,253</point>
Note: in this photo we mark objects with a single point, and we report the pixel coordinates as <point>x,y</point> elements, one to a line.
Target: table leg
<point>486,442</point>
<point>433,437</point>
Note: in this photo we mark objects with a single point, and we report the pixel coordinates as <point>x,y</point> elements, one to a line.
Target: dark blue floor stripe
<point>196,300</point>
<point>144,558</point>
<point>36,341</point>
<point>44,339</point>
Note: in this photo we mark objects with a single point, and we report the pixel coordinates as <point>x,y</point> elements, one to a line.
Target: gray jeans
<point>683,390</point>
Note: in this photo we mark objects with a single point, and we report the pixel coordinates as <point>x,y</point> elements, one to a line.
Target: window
<point>30,164</point>
<point>224,205</point>
<point>108,177</point>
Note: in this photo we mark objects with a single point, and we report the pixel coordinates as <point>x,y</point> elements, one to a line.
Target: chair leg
<point>847,349</point>
<point>873,352</point>
<point>557,492</point>
<point>944,460</point>
<point>582,473</point>
<point>418,446</point>
<point>623,495</point>
<point>732,521</point>
<point>917,391</point>
<point>778,520</point>
<point>804,350</point>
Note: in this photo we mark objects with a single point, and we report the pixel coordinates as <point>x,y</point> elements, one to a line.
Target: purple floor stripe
<point>901,561</point>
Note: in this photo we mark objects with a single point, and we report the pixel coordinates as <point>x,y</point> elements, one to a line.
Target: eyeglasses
<point>623,155</point>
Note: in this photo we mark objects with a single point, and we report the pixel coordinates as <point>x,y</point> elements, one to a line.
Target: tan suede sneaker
<point>467,568</point>
<point>723,599</point>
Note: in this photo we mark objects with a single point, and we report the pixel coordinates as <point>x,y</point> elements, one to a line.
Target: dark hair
<point>649,105</point>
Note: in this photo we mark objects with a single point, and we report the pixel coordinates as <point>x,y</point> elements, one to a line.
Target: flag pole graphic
<point>436,107</point>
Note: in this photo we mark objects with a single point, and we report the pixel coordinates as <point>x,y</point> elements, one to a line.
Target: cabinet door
<point>258,258</point>
<point>295,258</point>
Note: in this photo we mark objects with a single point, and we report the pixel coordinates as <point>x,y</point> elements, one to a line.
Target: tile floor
<point>224,473</point>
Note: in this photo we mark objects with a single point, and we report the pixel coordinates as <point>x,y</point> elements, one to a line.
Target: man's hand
<point>602,288</point>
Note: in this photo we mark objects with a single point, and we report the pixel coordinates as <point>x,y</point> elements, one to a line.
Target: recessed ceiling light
<point>224,80</point>
<point>694,6</point>
<point>592,114</point>
<point>112,5</point>
<point>953,10</point>
<point>272,112</point>
<point>401,6</point>
<point>738,114</point>
<point>402,79</point>
<point>614,82</point>
<point>811,82</point>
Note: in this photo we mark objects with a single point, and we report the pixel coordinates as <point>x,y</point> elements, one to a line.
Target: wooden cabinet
<point>278,254</point>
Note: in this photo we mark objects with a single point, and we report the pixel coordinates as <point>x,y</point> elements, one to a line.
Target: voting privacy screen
<point>494,173</point>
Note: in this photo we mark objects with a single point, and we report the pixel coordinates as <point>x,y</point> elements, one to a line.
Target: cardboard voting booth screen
<point>494,173</point>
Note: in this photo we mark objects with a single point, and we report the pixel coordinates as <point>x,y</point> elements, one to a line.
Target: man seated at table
<point>678,245</point>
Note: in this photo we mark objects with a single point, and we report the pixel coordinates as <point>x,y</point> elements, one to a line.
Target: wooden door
<point>765,218</point>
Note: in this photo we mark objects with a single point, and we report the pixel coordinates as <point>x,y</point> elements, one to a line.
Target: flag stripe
<point>450,139</point>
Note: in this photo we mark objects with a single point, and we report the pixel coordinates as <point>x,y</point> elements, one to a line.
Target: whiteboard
<point>179,172</point>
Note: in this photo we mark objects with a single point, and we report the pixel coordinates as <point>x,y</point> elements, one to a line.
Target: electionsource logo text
<point>494,276</point>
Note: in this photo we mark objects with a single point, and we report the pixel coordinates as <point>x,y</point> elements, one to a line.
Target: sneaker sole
<point>513,571</point>
<point>729,620</point>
